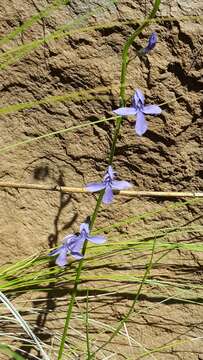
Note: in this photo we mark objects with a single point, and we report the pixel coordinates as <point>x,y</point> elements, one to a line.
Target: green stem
<point>112,152</point>
<point>87,326</point>
<point>77,279</point>
<point>124,73</point>
<point>147,271</point>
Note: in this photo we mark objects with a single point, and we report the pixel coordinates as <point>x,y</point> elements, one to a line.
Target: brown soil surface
<point>167,158</point>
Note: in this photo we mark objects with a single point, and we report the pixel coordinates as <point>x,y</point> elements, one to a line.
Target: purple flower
<point>73,244</point>
<point>109,184</point>
<point>151,43</point>
<point>140,110</point>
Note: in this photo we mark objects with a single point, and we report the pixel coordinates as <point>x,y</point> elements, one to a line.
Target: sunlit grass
<point>53,133</point>
<point>32,20</point>
<point>7,350</point>
<point>15,54</point>
<point>36,274</point>
<point>90,94</point>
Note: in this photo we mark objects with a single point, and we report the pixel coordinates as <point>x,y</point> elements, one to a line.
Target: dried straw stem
<point>128,193</point>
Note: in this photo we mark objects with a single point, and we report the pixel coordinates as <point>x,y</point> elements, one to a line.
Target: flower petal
<point>121,185</point>
<point>141,124</point>
<point>84,227</point>
<point>62,258</point>
<point>77,255</point>
<point>152,109</point>
<point>67,239</point>
<point>111,172</point>
<point>125,111</point>
<point>138,96</point>
<point>94,187</point>
<point>108,195</point>
<point>97,239</point>
<point>74,243</point>
<point>55,251</point>
<point>151,43</point>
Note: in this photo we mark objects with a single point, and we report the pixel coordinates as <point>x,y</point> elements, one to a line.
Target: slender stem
<point>87,326</point>
<point>112,152</point>
<point>83,190</point>
<point>147,271</point>
<point>124,73</point>
<point>77,280</point>
<point>116,133</point>
<point>94,215</point>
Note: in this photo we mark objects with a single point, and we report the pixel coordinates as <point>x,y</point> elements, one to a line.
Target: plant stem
<point>147,271</point>
<point>87,326</point>
<point>124,73</point>
<point>83,190</point>
<point>112,152</point>
<point>77,279</point>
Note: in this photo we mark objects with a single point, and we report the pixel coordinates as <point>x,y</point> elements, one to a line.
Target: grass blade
<point>23,324</point>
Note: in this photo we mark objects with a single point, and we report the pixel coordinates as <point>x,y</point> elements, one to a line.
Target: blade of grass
<point>15,54</point>
<point>42,275</point>
<point>62,131</point>
<point>148,214</point>
<point>126,317</point>
<point>32,20</point>
<point>87,326</point>
<point>60,33</point>
<point>23,323</point>
<point>68,96</point>
<point>8,351</point>
<point>168,345</point>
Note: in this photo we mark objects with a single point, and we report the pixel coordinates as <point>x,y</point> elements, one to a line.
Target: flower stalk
<point>111,156</point>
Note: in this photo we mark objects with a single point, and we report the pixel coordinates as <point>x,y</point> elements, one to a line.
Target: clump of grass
<point>153,245</point>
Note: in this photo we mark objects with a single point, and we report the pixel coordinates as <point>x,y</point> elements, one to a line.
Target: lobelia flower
<point>73,244</point>
<point>109,184</point>
<point>151,43</point>
<point>140,110</point>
